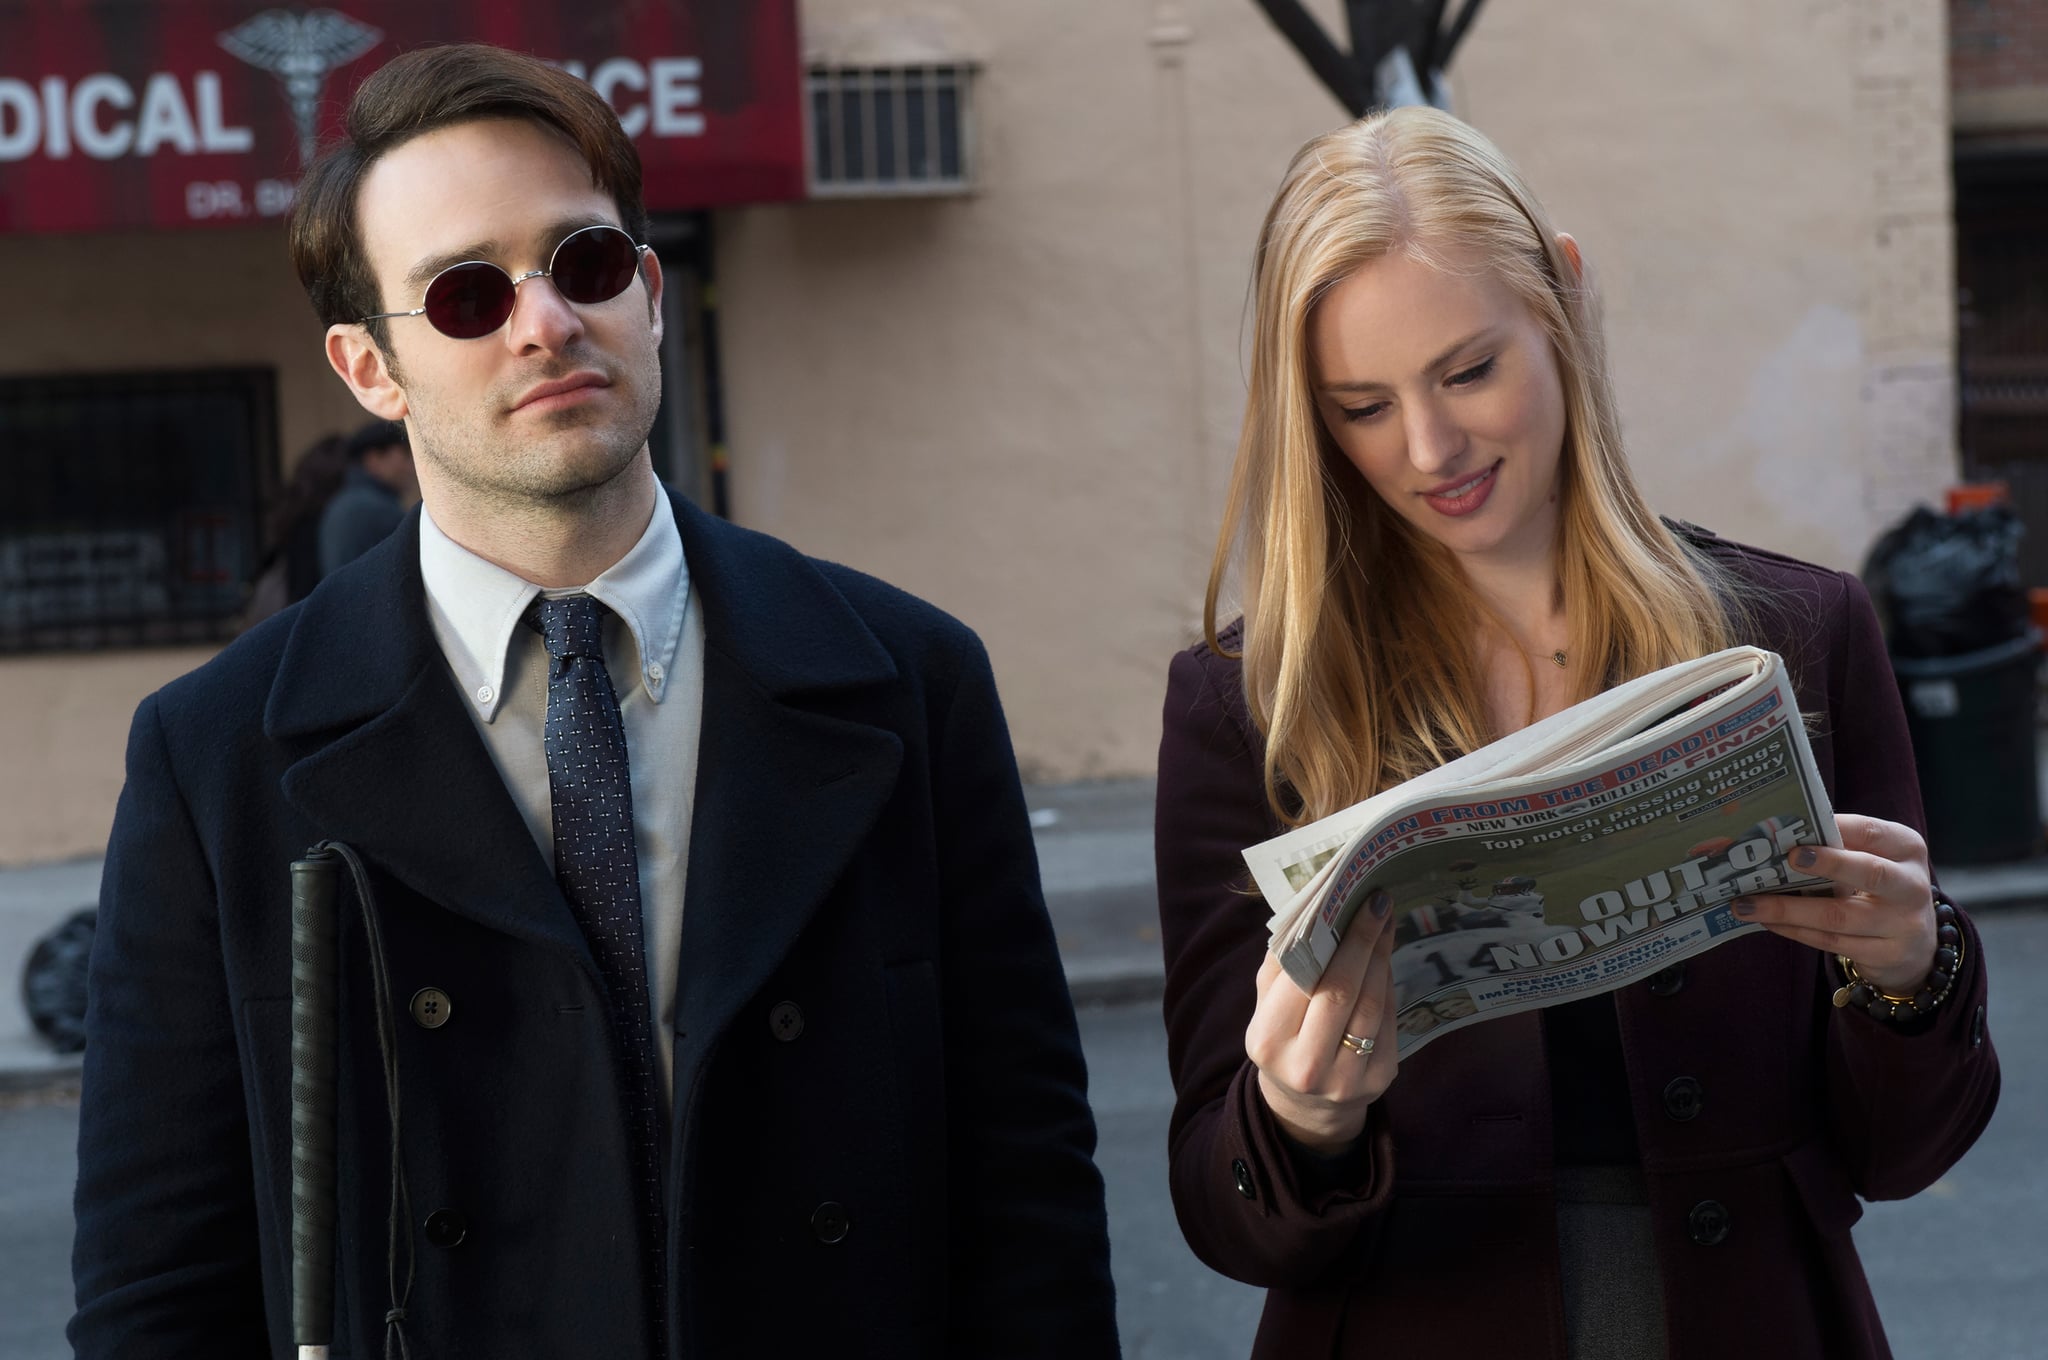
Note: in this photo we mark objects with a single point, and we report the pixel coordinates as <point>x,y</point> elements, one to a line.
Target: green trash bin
<point>1972,720</point>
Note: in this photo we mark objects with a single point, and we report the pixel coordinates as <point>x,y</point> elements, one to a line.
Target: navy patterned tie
<point>599,871</point>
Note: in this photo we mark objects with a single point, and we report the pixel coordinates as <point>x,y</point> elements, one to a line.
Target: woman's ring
<point>1362,1047</point>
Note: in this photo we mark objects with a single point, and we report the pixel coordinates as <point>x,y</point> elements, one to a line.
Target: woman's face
<point>1443,391</point>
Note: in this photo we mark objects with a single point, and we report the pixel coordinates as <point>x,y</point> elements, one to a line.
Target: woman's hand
<point>1884,923</point>
<point>1317,1084</point>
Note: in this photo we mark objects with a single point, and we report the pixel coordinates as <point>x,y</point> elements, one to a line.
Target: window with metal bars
<point>890,130</point>
<point>128,505</point>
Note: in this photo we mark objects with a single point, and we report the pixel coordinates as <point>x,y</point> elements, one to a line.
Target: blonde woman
<point>1439,541</point>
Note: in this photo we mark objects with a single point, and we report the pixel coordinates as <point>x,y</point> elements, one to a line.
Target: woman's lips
<point>1462,498</point>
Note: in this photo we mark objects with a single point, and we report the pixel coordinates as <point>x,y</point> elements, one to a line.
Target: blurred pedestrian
<point>379,486</point>
<point>290,566</point>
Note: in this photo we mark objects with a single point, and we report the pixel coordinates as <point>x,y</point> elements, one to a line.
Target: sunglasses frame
<point>640,253</point>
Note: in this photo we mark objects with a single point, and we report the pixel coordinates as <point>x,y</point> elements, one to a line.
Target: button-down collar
<point>474,605</point>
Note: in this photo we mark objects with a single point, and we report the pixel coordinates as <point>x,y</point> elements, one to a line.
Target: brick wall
<point>1997,44</point>
<point>1908,294</point>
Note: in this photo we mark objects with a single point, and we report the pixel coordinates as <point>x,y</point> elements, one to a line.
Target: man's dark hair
<point>378,434</point>
<point>418,92</point>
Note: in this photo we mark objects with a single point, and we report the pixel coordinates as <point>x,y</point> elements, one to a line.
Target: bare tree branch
<point>1340,72</point>
<point>1457,32</point>
<point>1431,52</point>
<point>1377,28</point>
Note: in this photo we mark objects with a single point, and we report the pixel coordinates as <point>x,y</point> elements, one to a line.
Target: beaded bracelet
<point>1948,965</point>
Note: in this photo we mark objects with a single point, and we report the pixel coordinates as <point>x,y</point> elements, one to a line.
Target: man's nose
<point>541,317</point>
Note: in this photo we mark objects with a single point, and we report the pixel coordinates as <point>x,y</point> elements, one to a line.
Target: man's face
<point>558,401</point>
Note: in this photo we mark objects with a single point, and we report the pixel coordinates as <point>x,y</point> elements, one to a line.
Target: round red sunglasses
<point>470,300</point>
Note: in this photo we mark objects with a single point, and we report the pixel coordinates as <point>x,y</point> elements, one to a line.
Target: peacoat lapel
<point>396,768</point>
<point>787,788</point>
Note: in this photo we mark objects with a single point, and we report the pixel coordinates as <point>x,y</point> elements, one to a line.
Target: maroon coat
<point>1447,1243</point>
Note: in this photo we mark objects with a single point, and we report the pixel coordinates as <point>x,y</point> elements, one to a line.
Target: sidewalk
<point>1095,858</point>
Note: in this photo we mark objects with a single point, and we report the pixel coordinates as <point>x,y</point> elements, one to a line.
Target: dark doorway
<point>2002,333</point>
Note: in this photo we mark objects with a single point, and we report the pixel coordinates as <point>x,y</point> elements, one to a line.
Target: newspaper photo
<point>1581,854</point>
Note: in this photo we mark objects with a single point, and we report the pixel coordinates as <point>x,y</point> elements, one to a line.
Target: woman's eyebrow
<point>1432,366</point>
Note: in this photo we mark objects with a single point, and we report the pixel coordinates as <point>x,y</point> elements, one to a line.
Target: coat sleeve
<point>1030,1235</point>
<point>166,1219</point>
<point>1903,1106</point>
<point>1248,1206</point>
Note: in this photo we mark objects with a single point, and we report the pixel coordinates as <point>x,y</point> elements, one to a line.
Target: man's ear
<point>650,270</point>
<point>362,365</point>
<point>1571,252</point>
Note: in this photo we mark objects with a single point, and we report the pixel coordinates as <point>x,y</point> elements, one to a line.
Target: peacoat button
<point>1242,1174</point>
<point>446,1228</point>
<point>1977,1029</point>
<point>786,1022</point>
<point>829,1223</point>
<point>431,1007</point>
<point>1683,1099</point>
<point>1667,981</point>
<point>1708,1223</point>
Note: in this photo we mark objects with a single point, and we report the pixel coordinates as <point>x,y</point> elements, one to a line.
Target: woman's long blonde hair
<point>1359,664</point>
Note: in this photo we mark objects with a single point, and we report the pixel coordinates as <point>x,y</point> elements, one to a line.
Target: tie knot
<point>570,626</point>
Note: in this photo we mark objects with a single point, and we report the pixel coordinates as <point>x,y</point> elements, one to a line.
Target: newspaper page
<point>1541,889</point>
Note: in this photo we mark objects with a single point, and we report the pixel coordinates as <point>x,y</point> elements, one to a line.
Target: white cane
<point>315,1000</point>
<point>315,880</point>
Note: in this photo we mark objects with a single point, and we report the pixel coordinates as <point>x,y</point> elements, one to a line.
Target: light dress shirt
<point>654,653</point>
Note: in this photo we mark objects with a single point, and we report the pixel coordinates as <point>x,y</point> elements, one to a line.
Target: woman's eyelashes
<point>1476,373</point>
<point>1466,377</point>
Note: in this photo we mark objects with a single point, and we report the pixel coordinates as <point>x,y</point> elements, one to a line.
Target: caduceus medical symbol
<point>300,48</point>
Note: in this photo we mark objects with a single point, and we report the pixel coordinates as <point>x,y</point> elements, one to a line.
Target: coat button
<point>1683,1099</point>
<point>1242,1174</point>
<point>431,1007</point>
<point>1708,1223</point>
<point>786,1022</point>
<point>446,1228</point>
<point>1668,981</point>
<point>829,1223</point>
<point>1977,1029</point>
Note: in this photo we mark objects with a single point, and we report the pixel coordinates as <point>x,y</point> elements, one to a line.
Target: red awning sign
<point>131,114</point>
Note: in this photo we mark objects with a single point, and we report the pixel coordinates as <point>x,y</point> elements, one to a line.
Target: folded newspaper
<point>1575,856</point>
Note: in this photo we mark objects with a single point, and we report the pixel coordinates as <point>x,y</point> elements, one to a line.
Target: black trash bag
<point>1945,585</point>
<point>53,982</point>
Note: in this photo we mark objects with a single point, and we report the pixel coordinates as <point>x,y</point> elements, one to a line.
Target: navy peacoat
<point>881,1143</point>
<point>1447,1243</point>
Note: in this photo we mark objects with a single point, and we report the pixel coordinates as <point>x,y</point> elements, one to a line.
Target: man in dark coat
<point>726,1015</point>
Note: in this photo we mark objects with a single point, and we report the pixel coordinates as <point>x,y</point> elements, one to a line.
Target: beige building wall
<point>1762,190</point>
<point>1023,404</point>
<point>133,302</point>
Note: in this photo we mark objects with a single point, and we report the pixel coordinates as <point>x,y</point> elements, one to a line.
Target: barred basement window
<point>890,130</point>
<point>128,516</point>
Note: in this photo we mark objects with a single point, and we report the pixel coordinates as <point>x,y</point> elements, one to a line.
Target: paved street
<point>1958,1271</point>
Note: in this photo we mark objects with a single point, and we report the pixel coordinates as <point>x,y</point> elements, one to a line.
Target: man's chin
<point>583,468</point>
